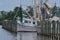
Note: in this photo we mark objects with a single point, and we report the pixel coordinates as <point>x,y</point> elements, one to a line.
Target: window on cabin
<point>26,21</point>
<point>29,21</point>
<point>33,22</point>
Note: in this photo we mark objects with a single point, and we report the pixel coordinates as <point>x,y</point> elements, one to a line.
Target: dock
<point>10,25</point>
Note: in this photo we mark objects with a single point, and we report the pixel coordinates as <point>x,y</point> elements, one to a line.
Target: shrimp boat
<point>27,29</point>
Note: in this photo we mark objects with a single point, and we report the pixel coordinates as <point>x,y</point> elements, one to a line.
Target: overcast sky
<point>10,4</point>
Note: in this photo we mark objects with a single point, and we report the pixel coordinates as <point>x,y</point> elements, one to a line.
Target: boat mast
<point>34,8</point>
<point>39,9</point>
<point>40,6</point>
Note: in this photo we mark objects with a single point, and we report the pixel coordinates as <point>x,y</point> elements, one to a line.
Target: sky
<point>55,1</point>
<point>8,5</point>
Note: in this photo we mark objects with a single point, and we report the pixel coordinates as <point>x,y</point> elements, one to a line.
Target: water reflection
<point>44,37</point>
<point>5,35</point>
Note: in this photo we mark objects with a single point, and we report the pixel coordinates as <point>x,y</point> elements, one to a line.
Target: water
<point>5,35</point>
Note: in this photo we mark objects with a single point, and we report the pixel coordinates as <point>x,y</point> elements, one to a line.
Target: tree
<point>30,10</point>
<point>16,9</point>
<point>3,14</point>
<point>20,13</point>
<point>10,15</point>
<point>54,11</point>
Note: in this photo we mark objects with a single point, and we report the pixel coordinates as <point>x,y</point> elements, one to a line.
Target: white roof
<point>55,18</point>
<point>29,20</point>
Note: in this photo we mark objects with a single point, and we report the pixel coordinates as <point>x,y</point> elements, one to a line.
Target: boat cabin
<point>27,21</point>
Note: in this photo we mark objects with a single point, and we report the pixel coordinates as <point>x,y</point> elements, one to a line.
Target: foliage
<point>10,15</point>
<point>20,14</point>
<point>54,10</point>
<point>18,11</point>
<point>30,10</point>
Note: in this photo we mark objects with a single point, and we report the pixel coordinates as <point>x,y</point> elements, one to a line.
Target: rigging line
<point>16,14</point>
<point>17,10</point>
